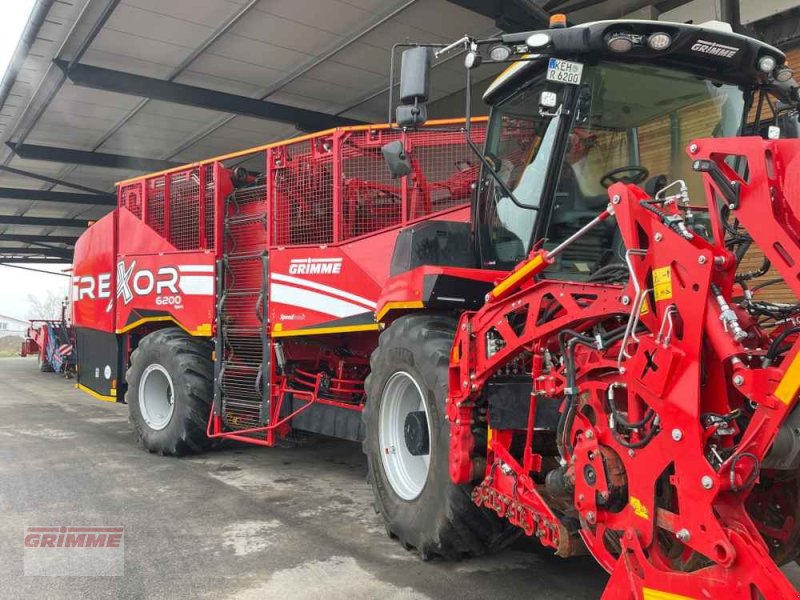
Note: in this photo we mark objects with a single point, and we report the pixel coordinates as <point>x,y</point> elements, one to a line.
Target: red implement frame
<point>681,528</point>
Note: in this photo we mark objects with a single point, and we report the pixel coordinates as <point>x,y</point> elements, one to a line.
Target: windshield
<point>638,117</point>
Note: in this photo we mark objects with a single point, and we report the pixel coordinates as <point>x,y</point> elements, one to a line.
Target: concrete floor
<point>242,523</point>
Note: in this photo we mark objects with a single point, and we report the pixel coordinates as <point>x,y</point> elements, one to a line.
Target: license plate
<point>564,71</point>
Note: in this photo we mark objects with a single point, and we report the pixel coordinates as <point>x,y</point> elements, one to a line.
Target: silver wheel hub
<point>156,397</point>
<point>403,435</point>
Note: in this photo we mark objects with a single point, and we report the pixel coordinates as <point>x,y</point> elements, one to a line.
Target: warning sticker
<point>662,283</point>
<point>639,509</point>
<point>644,309</point>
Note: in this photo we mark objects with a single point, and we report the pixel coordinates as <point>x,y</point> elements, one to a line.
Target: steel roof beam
<point>47,196</point>
<point>28,260</point>
<point>44,221</point>
<point>89,159</point>
<point>37,239</point>
<point>190,95</point>
<point>22,251</point>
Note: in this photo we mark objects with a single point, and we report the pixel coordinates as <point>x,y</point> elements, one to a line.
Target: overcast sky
<point>16,284</point>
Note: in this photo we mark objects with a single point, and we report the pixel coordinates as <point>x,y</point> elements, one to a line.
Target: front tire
<point>170,389</point>
<point>407,445</point>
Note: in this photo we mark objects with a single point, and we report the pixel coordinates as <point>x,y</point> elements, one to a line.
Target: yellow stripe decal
<point>323,330</point>
<point>398,306</point>
<point>202,330</point>
<point>94,394</point>
<point>790,383</point>
<point>651,594</point>
<point>518,276</point>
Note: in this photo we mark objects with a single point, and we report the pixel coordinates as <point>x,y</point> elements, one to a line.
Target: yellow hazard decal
<point>651,594</point>
<point>644,309</point>
<point>639,509</point>
<point>790,383</point>
<point>662,283</point>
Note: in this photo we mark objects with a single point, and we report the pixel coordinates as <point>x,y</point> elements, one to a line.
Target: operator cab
<point>623,122</point>
<point>583,107</point>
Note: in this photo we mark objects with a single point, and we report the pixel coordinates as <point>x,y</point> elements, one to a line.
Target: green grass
<point>10,346</point>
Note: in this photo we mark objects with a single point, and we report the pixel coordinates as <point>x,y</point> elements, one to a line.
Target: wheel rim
<point>406,472</point>
<point>156,397</point>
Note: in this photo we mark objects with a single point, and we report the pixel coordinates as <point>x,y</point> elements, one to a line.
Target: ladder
<point>243,365</point>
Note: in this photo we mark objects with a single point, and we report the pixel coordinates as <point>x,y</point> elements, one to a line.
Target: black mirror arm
<point>487,165</point>
<point>477,151</point>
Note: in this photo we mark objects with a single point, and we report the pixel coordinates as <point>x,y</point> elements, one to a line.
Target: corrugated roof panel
<point>98,175</point>
<point>332,95</point>
<point>18,181</point>
<point>73,106</point>
<point>157,27</point>
<point>279,31</point>
<point>210,14</point>
<point>361,55</point>
<point>64,136</point>
<point>333,16</point>
<point>41,167</point>
<point>444,19</point>
<point>337,74</point>
<point>236,71</point>
<point>131,54</point>
<point>255,52</point>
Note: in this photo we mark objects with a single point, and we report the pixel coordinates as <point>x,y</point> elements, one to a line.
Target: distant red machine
<point>52,342</point>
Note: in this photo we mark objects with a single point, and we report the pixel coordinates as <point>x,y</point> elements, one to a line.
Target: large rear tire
<point>170,389</point>
<point>407,445</point>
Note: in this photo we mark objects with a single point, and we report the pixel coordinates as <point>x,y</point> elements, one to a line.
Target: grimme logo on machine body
<point>715,49</point>
<point>169,283</point>
<point>315,266</point>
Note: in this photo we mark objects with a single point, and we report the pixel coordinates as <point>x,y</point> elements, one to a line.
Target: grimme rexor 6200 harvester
<point>564,334</point>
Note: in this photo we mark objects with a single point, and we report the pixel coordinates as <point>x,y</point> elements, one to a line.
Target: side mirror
<point>415,76</point>
<point>394,153</point>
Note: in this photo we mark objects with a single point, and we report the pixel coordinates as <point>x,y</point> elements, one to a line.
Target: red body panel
<point>687,487</point>
<point>313,287</point>
<point>94,277</point>
<point>175,285</point>
<point>319,225</point>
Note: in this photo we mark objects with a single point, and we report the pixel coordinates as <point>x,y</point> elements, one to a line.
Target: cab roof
<point>708,50</point>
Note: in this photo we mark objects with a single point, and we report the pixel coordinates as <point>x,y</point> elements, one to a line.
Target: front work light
<point>620,42</point>
<point>783,74</point>
<point>537,40</point>
<point>500,53</point>
<point>659,41</point>
<point>766,63</point>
